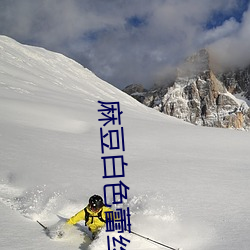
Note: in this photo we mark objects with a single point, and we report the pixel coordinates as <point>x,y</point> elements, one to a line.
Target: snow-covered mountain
<point>201,95</point>
<point>189,185</point>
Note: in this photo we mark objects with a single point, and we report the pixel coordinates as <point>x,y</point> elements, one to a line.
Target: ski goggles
<point>94,208</point>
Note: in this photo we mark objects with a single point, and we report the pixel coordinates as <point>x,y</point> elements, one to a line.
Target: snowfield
<point>189,185</point>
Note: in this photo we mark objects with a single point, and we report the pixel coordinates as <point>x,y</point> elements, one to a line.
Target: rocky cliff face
<point>201,97</point>
<point>237,81</point>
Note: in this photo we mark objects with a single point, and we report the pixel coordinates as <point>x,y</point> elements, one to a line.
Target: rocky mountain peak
<point>200,96</point>
<point>196,64</point>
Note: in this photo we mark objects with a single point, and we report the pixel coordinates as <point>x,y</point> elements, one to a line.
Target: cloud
<point>233,49</point>
<point>121,41</point>
<point>228,28</point>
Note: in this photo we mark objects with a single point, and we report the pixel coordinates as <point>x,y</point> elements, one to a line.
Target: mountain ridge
<point>201,95</point>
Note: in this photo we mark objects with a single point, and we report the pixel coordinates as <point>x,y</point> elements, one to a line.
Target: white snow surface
<point>189,185</point>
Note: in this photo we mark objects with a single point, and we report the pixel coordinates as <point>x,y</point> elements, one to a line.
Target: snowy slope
<point>189,186</point>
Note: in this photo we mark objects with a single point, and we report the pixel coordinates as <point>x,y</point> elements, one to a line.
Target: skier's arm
<point>107,209</point>
<point>77,217</point>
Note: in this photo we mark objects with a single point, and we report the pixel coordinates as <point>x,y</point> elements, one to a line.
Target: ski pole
<point>45,228</point>
<point>159,243</point>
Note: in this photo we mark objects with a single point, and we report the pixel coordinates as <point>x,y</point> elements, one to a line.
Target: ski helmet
<point>95,202</point>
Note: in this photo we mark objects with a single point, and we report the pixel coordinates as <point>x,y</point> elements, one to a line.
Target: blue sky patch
<point>136,21</point>
<point>219,17</point>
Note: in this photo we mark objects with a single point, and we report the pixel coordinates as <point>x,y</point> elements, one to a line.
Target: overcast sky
<point>131,41</point>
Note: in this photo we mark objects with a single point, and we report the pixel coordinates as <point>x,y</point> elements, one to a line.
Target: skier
<point>93,214</point>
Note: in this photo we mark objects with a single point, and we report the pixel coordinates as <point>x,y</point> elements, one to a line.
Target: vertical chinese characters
<point>112,140</point>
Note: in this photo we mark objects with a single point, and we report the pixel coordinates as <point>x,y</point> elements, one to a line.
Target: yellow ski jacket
<point>93,222</point>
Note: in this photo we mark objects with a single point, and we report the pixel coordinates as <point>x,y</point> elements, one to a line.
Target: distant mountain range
<point>201,94</point>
